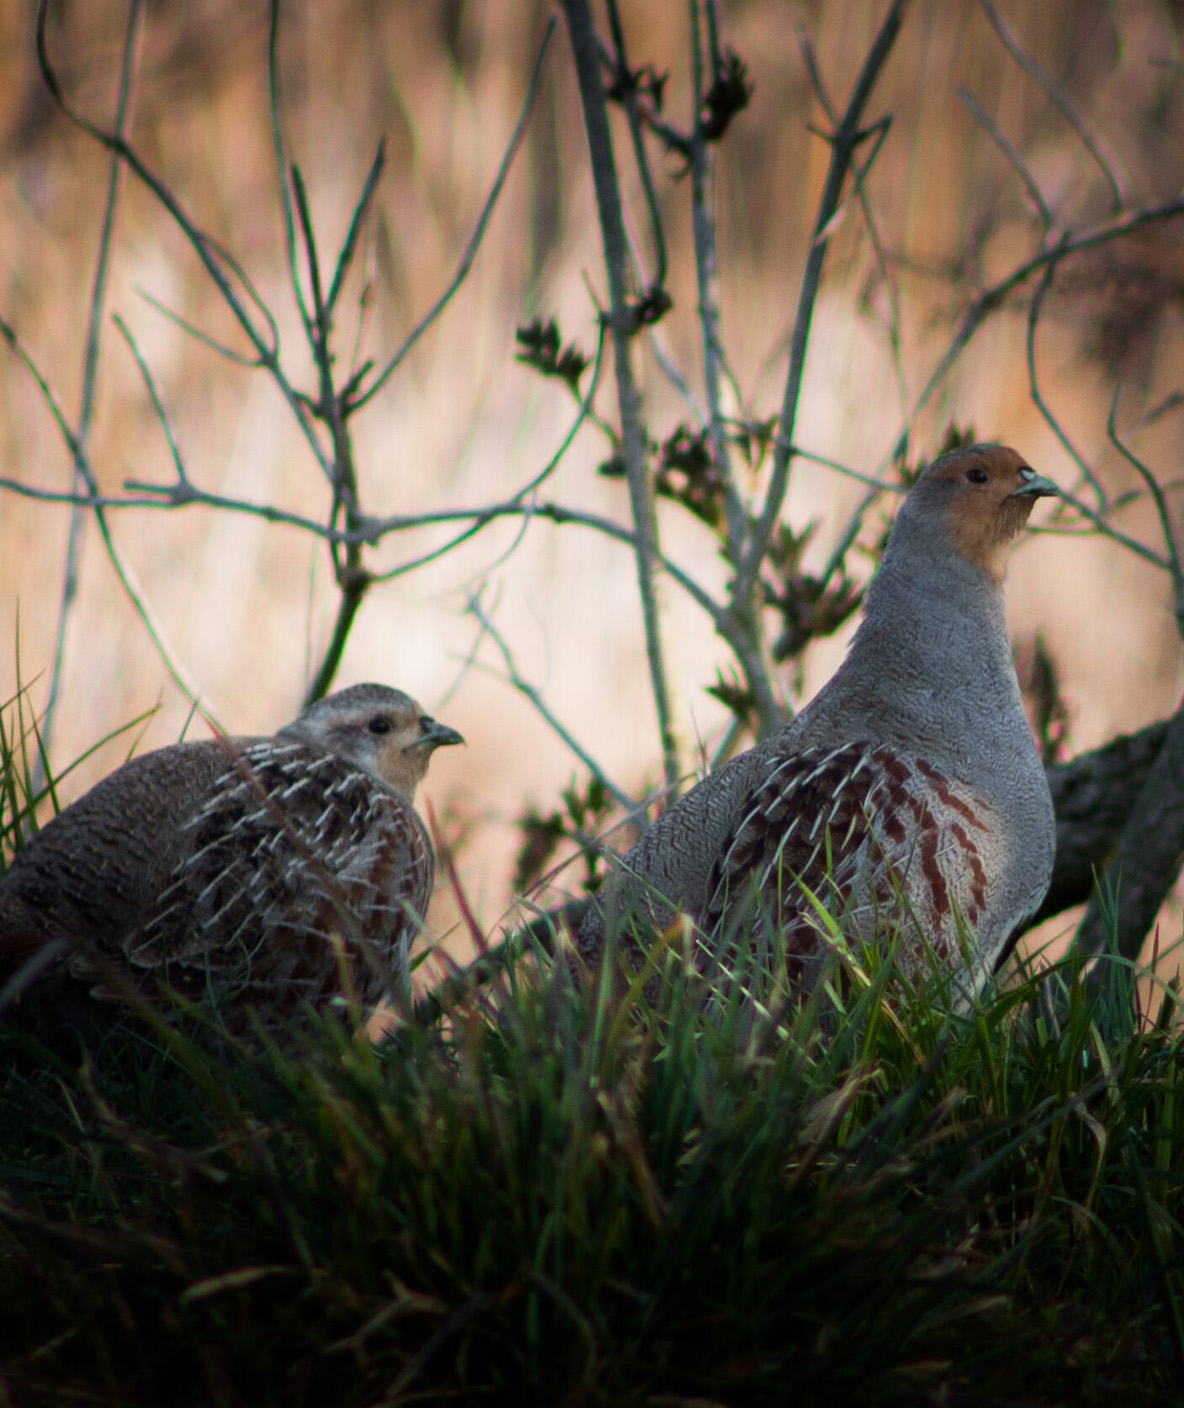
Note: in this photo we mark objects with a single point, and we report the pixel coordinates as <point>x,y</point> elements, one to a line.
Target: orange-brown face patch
<point>985,517</point>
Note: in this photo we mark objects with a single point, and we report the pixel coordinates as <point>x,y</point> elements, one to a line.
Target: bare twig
<point>531,487</point>
<point>356,224</point>
<point>1017,163</point>
<point>75,442</point>
<point>1099,518</point>
<point>743,626</point>
<point>349,569</point>
<point>470,253</point>
<point>1034,310</point>
<point>860,174</point>
<point>1058,98</point>
<point>193,331</point>
<point>208,251</point>
<point>987,302</point>
<point>628,92</point>
<point>629,804</point>
<point>994,296</point>
<point>1161,507</point>
<point>707,279</point>
<point>90,370</point>
<point>623,325</point>
<point>844,142</point>
<point>281,156</point>
<point>157,402</point>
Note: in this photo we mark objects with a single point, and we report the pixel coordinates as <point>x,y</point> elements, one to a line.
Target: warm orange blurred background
<point>246,607</point>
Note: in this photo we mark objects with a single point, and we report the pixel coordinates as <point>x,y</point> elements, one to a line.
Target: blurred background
<point>245,607</point>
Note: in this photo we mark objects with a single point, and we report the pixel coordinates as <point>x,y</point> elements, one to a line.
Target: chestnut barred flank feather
<point>907,802</point>
<point>858,830</point>
<point>260,874</point>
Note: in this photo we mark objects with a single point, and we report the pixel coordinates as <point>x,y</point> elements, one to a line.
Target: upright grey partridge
<point>253,873</point>
<point>908,797</point>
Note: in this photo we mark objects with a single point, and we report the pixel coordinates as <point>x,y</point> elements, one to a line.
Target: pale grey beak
<point>1038,487</point>
<point>435,735</point>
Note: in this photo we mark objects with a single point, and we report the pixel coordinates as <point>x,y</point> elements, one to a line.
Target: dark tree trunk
<point>1094,796</point>
<point>1143,861</point>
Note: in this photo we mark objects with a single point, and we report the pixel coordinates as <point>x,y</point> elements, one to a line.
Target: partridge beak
<point>1038,487</point>
<point>436,735</point>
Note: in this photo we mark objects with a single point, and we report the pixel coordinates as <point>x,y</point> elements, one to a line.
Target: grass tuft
<point>584,1196</point>
<point>529,1205</point>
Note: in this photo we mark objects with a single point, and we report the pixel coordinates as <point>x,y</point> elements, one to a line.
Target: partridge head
<point>381,730</point>
<point>255,873</point>
<point>907,799</point>
<point>976,500</point>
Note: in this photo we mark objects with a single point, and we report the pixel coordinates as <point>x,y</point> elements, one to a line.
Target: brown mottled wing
<point>87,875</point>
<point>860,830</point>
<point>302,876</point>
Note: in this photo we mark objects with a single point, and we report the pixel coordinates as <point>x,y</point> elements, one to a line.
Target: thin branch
<point>814,73</point>
<point>184,495</point>
<point>353,234</point>
<point>354,586</point>
<point>90,373</point>
<point>707,280</point>
<point>94,501</point>
<point>470,253</point>
<point>531,487</point>
<point>1098,518</point>
<point>1057,98</point>
<point>1034,310</point>
<point>985,303</point>
<point>860,174</point>
<point>350,574</point>
<point>895,343</point>
<point>281,155</point>
<point>619,64</point>
<point>193,331</point>
<point>673,374</point>
<point>844,142</point>
<point>993,297</point>
<point>524,687</point>
<point>1161,507</point>
<point>207,250</point>
<point>585,50</point>
<point>158,404</point>
<point>1017,163</point>
<point>743,625</point>
<point>878,486</point>
<point>314,318</point>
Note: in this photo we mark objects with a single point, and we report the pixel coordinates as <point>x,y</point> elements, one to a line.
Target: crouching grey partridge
<point>907,800</point>
<point>252,873</point>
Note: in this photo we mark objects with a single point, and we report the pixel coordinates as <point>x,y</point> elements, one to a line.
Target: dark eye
<point>977,475</point>
<point>380,724</point>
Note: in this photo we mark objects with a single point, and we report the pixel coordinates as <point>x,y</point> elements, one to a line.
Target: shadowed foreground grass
<point>570,1201</point>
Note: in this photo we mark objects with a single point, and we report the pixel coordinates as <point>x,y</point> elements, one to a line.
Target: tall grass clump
<point>553,1197</point>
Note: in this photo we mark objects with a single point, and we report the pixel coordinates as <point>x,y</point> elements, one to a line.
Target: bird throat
<point>986,541</point>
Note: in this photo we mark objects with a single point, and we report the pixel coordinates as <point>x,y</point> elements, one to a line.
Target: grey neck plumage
<point>931,656</point>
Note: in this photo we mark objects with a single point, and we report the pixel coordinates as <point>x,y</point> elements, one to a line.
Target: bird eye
<point>977,475</point>
<point>380,724</point>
